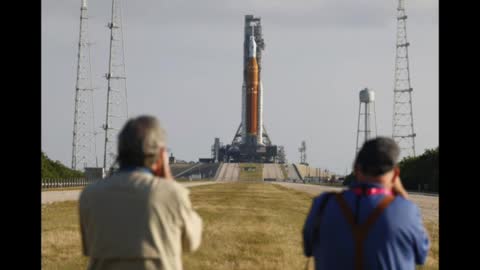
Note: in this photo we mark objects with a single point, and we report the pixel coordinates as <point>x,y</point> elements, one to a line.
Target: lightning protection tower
<point>303,153</point>
<point>216,149</point>
<point>117,107</point>
<point>367,99</point>
<point>83,145</point>
<point>403,132</point>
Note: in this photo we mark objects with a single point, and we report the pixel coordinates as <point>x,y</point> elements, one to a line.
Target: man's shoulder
<point>171,187</point>
<point>172,184</point>
<point>119,181</point>
<point>91,188</point>
<point>323,197</point>
<point>399,204</point>
<point>403,210</point>
<point>402,203</point>
<point>89,191</point>
<point>100,184</point>
<point>327,194</point>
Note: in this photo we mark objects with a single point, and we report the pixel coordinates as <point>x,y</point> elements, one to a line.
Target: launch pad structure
<point>251,142</point>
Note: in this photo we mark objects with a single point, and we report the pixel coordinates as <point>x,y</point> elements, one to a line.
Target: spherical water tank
<point>367,96</point>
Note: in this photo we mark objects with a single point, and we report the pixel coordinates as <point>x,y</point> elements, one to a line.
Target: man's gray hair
<point>139,142</point>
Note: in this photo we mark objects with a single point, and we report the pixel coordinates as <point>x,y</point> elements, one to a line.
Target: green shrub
<point>423,169</point>
<point>55,169</point>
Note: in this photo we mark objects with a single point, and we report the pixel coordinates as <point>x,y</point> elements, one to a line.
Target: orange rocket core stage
<point>252,96</point>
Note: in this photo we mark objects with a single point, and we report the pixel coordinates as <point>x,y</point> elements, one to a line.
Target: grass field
<point>246,226</point>
<point>61,237</point>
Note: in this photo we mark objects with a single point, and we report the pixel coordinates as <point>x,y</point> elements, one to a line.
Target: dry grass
<point>61,237</point>
<point>432,259</point>
<point>246,226</point>
<point>249,226</point>
<point>255,175</point>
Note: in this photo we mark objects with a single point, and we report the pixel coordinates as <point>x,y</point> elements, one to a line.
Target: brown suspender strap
<point>360,231</point>
<point>377,211</point>
<point>347,212</point>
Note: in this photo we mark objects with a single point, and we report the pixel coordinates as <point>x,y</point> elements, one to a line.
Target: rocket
<point>252,88</point>
<point>252,96</point>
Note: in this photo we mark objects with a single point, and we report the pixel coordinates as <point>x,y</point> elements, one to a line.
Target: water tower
<point>367,101</point>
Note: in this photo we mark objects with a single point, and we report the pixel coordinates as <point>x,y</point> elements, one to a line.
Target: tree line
<point>55,169</point>
<point>417,173</point>
<point>421,172</point>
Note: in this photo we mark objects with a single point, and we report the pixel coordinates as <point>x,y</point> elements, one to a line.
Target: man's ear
<point>396,173</point>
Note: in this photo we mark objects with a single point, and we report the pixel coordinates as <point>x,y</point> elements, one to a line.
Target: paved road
<point>229,172</point>
<point>427,203</point>
<point>72,195</point>
<point>273,171</point>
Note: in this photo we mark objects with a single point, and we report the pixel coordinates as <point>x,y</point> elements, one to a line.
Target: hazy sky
<point>184,66</point>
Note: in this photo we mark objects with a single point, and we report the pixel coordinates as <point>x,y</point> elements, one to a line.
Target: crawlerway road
<point>72,195</point>
<point>428,204</point>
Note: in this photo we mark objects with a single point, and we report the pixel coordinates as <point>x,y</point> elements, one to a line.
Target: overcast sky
<point>184,66</point>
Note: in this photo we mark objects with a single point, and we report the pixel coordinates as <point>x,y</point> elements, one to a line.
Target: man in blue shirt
<point>367,226</point>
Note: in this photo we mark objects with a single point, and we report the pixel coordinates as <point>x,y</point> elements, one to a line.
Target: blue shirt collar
<point>355,184</point>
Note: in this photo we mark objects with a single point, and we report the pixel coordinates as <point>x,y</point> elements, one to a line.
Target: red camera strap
<point>371,191</point>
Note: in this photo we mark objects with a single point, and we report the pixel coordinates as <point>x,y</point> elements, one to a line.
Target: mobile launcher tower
<point>251,142</point>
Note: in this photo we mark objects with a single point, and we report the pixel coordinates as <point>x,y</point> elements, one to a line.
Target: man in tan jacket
<point>139,217</point>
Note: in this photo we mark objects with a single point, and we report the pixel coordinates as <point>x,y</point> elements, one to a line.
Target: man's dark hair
<point>377,156</point>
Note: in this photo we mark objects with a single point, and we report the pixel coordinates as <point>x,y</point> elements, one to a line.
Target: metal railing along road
<point>64,183</point>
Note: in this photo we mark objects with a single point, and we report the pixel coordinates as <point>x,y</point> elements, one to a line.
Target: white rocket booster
<point>244,112</point>
<point>260,114</point>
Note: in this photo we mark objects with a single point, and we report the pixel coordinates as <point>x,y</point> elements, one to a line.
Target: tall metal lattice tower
<point>117,107</point>
<point>403,132</point>
<point>83,145</point>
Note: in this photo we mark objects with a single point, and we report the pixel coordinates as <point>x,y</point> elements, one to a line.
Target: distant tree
<point>421,170</point>
<point>55,169</point>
